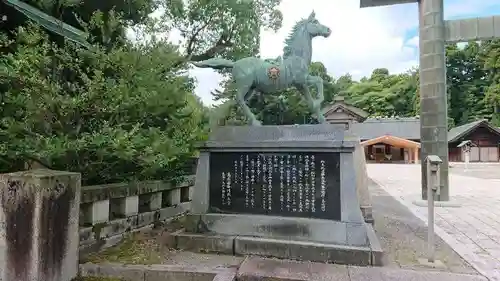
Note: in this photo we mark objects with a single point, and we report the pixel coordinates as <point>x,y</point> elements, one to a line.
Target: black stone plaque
<point>285,184</point>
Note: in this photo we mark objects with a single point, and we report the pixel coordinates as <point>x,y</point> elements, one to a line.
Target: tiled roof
<point>407,128</point>
<point>456,133</point>
<point>357,112</point>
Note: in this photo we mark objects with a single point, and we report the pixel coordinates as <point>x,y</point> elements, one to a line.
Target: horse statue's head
<point>315,28</point>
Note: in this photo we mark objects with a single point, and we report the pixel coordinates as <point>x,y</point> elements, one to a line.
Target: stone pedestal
<point>39,233</point>
<point>266,189</point>
<point>365,200</point>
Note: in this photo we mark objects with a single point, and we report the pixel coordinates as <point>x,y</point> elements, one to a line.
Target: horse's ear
<point>312,15</point>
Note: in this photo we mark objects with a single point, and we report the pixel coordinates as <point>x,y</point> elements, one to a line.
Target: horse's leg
<point>316,106</point>
<point>244,94</point>
<point>310,101</point>
<point>318,82</point>
<point>249,95</point>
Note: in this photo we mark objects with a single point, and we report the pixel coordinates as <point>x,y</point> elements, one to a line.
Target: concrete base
<point>440,204</point>
<point>280,237</point>
<point>436,264</point>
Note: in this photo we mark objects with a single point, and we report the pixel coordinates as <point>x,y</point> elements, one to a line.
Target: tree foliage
<point>227,28</point>
<point>118,112</point>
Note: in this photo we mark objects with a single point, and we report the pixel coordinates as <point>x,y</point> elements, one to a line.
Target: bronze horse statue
<point>253,74</point>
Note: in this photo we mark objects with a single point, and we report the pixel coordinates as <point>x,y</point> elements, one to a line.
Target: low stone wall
<point>111,210</point>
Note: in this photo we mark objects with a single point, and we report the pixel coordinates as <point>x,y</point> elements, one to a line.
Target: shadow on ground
<point>403,236</point>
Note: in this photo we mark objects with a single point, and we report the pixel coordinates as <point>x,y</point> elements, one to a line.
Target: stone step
<point>285,270</point>
<point>265,269</point>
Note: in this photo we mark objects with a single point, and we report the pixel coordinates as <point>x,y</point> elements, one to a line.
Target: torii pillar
<point>434,31</point>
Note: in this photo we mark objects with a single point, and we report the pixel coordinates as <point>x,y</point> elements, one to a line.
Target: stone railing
<point>111,210</point>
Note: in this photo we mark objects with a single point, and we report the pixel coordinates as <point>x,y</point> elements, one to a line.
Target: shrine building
<point>397,139</point>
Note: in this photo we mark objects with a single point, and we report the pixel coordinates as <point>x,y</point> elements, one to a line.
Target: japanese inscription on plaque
<point>286,184</point>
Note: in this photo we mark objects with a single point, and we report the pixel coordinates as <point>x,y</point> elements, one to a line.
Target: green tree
<point>385,94</point>
<point>226,28</point>
<point>466,83</point>
<point>122,114</point>
<point>491,59</point>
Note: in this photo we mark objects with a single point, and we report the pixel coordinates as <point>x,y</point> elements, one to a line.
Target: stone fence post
<point>39,213</point>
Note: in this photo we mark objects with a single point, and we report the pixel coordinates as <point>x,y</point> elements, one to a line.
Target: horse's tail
<point>215,63</point>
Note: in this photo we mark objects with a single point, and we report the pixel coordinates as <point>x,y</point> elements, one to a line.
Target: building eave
<point>378,3</point>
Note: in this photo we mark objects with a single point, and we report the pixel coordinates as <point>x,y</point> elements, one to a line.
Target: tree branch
<point>193,39</point>
<point>218,48</point>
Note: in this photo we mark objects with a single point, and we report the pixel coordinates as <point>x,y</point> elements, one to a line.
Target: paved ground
<point>472,230</point>
<point>403,236</point>
<point>477,170</point>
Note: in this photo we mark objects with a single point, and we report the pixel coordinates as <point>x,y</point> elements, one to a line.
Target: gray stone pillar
<point>433,96</point>
<point>39,213</point>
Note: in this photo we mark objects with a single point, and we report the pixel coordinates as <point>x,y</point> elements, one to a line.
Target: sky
<point>361,39</point>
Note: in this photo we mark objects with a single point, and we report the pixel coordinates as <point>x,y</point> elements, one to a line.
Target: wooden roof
<point>339,104</point>
<point>392,140</point>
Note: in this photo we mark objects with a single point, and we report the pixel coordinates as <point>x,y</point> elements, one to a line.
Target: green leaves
<point>123,114</point>
<point>226,28</point>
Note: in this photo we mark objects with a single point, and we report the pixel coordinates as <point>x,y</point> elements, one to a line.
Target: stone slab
<point>158,272</point>
<point>377,253</point>
<point>286,249</point>
<point>282,228</point>
<point>301,250</point>
<point>386,274</point>
<point>229,275</point>
<point>277,133</point>
<point>310,137</point>
<point>126,273</point>
<point>204,243</point>
<point>262,269</point>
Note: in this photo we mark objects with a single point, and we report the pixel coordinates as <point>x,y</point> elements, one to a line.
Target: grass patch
<point>137,248</point>
<point>148,247</point>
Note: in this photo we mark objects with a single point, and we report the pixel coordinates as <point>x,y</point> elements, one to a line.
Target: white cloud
<point>413,41</point>
<point>361,40</point>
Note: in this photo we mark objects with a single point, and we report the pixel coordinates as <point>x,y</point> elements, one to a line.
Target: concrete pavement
<point>473,229</point>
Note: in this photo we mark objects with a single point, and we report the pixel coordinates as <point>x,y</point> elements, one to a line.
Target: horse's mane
<point>287,50</point>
